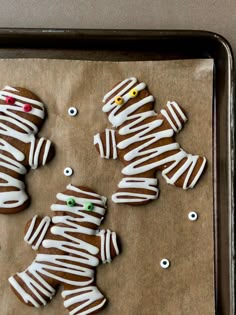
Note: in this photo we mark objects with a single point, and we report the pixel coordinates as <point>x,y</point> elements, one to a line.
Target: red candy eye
<point>10,100</point>
<point>27,108</point>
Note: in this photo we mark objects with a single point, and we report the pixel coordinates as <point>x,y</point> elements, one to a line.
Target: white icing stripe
<point>30,229</point>
<point>108,248</point>
<point>105,149</point>
<point>197,176</point>
<point>75,265</point>
<point>85,297</point>
<point>114,149</point>
<point>36,153</point>
<point>97,140</point>
<point>107,144</point>
<point>114,242</point>
<point>102,236</point>
<point>21,130</point>
<point>141,144</point>
<point>7,87</point>
<point>46,151</point>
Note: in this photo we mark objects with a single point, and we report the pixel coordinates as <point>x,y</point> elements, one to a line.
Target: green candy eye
<point>89,206</point>
<point>70,202</point>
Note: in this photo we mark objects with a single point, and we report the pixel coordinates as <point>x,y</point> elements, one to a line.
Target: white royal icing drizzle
<point>84,253</point>
<point>137,129</point>
<point>27,136</point>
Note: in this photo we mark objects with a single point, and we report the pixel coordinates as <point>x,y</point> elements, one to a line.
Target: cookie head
<point>119,100</point>
<point>20,103</point>
<point>80,202</point>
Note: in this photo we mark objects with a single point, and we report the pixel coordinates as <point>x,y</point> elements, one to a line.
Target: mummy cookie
<point>144,141</point>
<point>21,116</point>
<point>70,246</point>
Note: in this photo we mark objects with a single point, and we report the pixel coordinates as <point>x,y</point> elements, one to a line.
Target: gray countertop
<point>212,15</point>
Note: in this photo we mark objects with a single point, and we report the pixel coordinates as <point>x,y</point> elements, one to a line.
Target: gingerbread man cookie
<point>21,116</point>
<point>144,142</point>
<point>70,246</point>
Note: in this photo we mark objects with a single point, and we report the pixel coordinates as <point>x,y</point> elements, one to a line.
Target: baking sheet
<point>134,283</point>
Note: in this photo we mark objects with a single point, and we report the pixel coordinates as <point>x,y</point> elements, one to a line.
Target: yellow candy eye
<point>133,93</point>
<point>119,100</point>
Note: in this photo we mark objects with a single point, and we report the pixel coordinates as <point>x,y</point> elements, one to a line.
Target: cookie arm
<point>108,246</point>
<point>35,231</point>
<point>174,115</point>
<point>105,143</point>
<point>41,151</point>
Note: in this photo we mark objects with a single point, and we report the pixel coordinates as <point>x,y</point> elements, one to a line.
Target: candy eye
<point>72,111</point>
<point>27,108</point>
<point>10,100</point>
<point>133,93</point>
<point>193,216</point>
<point>89,206</point>
<point>68,171</point>
<point>70,202</point>
<point>165,263</point>
<point>119,100</point>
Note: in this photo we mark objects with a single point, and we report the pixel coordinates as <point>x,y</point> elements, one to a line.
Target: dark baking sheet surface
<point>160,45</point>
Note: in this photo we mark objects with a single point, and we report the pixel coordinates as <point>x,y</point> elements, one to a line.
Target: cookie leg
<point>32,288</point>
<point>136,190</point>
<point>85,300</point>
<point>183,169</point>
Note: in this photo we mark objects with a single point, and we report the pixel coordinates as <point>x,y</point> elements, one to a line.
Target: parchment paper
<point>134,283</point>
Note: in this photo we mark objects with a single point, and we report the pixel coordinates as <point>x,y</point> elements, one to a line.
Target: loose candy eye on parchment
<point>68,171</point>
<point>165,263</point>
<point>193,216</point>
<point>72,111</point>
